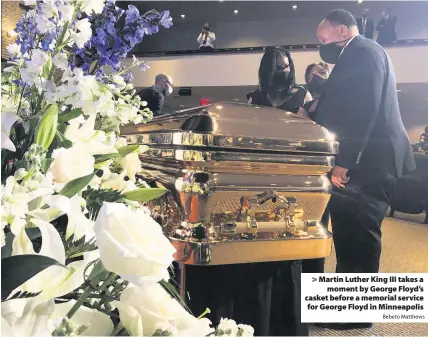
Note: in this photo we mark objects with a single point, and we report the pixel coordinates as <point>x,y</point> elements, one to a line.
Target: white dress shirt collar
<point>347,43</point>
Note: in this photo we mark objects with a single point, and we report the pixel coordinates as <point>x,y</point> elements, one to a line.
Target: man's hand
<point>339,176</point>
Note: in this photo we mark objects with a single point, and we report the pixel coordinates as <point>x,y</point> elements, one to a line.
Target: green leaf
<point>23,294</point>
<point>16,270</point>
<point>75,186</point>
<point>68,116</point>
<point>62,141</point>
<point>47,127</point>
<point>46,163</point>
<point>104,157</point>
<point>125,150</point>
<point>122,152</point>
<point>144,194</point>
<point>78,247</point>
<point>47,68</point>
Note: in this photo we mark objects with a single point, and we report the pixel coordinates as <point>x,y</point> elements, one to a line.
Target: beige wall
<point>410,65</point>
<point>10,14</point>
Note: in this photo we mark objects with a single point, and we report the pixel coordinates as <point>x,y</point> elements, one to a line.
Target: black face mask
<point>281,78</point>
<point>330,52</point>
<point>316,85</point>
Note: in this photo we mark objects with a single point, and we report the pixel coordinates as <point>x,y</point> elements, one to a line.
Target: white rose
<point>70,164</point>
<point>227,327</point>
<point>132,244</point>
<point>245,330</point>
<point>143,310</point>
<point>131,164</point>
<point>96,322</point>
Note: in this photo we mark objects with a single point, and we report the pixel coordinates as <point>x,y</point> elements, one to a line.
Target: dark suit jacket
<point>362,88</point>
<point>386,28</point>
<point>369,27</point>
<point>154,98</point>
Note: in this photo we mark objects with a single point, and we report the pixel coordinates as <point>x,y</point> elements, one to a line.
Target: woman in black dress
<point>263,295</point>
<point>277,83</point>
<point>278,89</point>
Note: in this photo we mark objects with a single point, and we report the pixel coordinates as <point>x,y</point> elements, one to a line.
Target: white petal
<point>51,241</point>
<point>6,143</point>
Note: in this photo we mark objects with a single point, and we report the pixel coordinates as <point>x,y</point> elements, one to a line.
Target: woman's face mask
<point>280,78</point>
<point>330,52</point>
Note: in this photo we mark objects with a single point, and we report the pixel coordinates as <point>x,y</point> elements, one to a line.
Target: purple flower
<point>132,14</point>
<point>128,77</point>
<point>166,19</point>
<point>144,66</point>
<point>47,42</point>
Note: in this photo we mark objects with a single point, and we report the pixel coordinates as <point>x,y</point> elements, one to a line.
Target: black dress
<point>263,295</point>
<point>291,102</point>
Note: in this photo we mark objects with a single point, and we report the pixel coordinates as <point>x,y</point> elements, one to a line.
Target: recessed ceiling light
<point>294,7</point>
<point>183,16</point>
<point>399,90</point>
<point>235,11</point>
<point>360,1</point>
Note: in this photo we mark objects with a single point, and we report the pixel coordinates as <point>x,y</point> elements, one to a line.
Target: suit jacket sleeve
<point>157,103</point>
<point>356,100</point>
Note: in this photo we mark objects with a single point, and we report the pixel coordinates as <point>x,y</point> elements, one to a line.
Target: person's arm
<point>200,38</point>
<point>212,36</point>
<point>349,111</point>
<point>308,97</point>
<point>157,103</point>
<point>379,26</point>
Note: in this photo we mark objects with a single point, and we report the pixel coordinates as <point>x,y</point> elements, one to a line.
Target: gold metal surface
<point>246,184</point>
<point>231,252</point>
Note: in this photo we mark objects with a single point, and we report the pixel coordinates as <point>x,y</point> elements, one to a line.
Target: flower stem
<point>79,302</point>
<point>119,327</point>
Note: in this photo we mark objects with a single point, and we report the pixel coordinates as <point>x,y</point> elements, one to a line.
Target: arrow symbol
<point>314,279</point>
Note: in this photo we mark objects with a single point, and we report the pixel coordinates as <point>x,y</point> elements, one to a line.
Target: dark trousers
<point>263,295</point>
<point>317,265</point>
<point>357,213</point>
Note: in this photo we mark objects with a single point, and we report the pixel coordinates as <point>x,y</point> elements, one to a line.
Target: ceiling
<point>223,11</point>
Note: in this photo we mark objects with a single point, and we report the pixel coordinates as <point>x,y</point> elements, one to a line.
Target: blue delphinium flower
<point>26,28</point>
<point>128,77</point>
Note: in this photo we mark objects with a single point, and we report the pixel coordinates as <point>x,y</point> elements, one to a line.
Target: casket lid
<point>234,126</point>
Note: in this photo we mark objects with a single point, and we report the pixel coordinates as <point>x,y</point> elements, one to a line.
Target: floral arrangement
<point>80,254</point>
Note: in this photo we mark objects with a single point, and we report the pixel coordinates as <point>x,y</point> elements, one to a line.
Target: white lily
<point>7,121</point>
<point>78,223</point>
<point>95,322</point>
<point>26,317</point>
<point>82,133</point>
<point>54,281</point>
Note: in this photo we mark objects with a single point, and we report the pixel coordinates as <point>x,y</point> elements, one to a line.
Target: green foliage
<point>22,294</point>
<point>78,247</point>
<point>46,129</point>
<point>95,198</point>
<point>144,194</point>
<point>75,186</point>
<point>68,116</point>
<point>16,270</point>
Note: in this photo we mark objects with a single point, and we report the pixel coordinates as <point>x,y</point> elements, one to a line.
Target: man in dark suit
<point>386,28</point>
<point>155,95</point>
<point>360,106</point>
<point>366,24</point>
